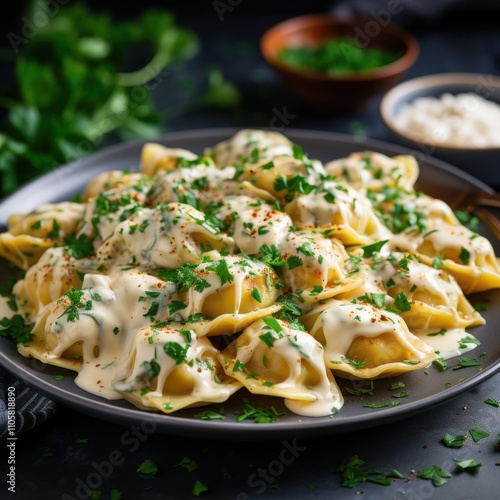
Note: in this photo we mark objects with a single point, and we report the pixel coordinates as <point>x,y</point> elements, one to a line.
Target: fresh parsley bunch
<point>80,78</point>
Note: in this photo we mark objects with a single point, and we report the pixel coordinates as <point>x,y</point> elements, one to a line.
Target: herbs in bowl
<point>337,56</point>
<point>337,64</point>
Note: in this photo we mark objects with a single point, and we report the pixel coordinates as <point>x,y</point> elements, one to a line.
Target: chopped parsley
<point>464,362</point>
<point>478,434</point>
<point>176,351</point>
<point>454,441</point>
<point>220,268</point>
<point>353,473</point>
<point>492,402</point>
<point>436,474</point>
<point>470,464</point>
<point>293,262</point>
<point>76,304</point>
<point>271,255</point>
<point>148,468</point>
<point>188,464</point>
<point>369,250</point>
<point>16,329</point>
<point>199,488</point>
<point>258,415</point>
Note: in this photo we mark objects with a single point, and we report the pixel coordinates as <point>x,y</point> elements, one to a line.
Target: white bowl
<point>481,162</point>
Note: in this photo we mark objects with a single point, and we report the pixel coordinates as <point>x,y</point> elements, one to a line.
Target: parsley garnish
<point>271,255</point>
<point>369,250</point>
<point>353,473</point>
<point>492,402</point>
<point>454,441</point>
<point>258,415</point>
<point>16,329</point>
<point>209,415</point>
<point>293,262</point>
<point>220,268</point>
<point>188,464</point>
<point>355,364</point>
<point>478,434</point>
<point>256,295</point>
<point>176,351</point>
<point>306,249</point>
<point>470,464</point>
<point>464,255</point>
<point>368,404</point>
<point>148,468</point>
<point>296,184</point>
<point>437,475</point>
<point>199,488</point>
<point>80,247</point>
<point>76,303</point>
<point>437,262</point>
<point>176,306</point>
<point>465,362</point>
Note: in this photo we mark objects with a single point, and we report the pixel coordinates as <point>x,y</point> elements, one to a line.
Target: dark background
<point>52,458</point>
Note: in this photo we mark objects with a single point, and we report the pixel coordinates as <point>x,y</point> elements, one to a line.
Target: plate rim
<point>229,429</point>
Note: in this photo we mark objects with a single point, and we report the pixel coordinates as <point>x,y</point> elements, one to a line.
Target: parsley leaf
<point>16,329</point>
<point>437,475</point>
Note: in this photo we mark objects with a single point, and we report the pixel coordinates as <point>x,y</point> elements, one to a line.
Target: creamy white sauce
<point>142,223</point>
<point>447,345</point>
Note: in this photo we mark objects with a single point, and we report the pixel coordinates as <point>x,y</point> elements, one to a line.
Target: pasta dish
<point>251,266</point>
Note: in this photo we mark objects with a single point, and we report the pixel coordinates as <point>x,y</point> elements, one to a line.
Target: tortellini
<point>273,359</point>
<point>363,341</point>
<point>249,267</point>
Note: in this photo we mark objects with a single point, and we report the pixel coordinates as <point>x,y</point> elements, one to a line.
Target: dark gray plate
<point>426,388</point>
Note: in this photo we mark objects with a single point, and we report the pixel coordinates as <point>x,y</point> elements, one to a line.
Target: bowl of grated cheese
<point>452,116</point>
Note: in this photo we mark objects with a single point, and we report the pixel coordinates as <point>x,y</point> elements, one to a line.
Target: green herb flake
<point>368,404</point>
<point>492,402</point>
<point>437,262</point>
<point>209,415</point>
<point>441,363</point>
<point>464,256</point>
<point>199,488</point>
<point>258,415</point>
<point>402,394</point>
<point>464,362</point>
<point>369,250</point>
<point>256,295</point>
<point>454,441</point>
<point>436,474</point>
<point>176,351</point>
<point>294,262</point>
<point>355,364</point>
<point>188,464</point>
<point>441,332</point>
<point>478,434</point>
<point>397,385</point>
<point>147,469</point>
<point>220,268</point>
<point>470,464</point>
<point>16,328</point>
<point>58,377</point>
<point>116,494</point>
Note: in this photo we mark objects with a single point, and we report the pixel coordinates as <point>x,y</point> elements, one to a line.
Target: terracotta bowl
<point>348,91</point>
